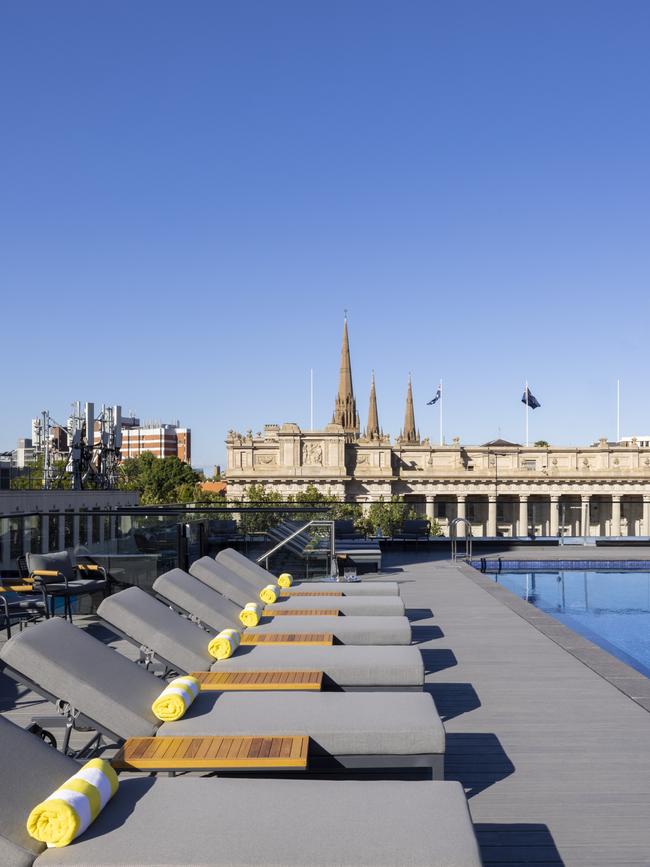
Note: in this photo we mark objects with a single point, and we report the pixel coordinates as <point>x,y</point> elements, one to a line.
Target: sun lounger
<point>346,730</point>
<point>192,597</point>
<point>239,590</point>
<point>235,822</point>
<point>182,647</point>
<point>260,577</point>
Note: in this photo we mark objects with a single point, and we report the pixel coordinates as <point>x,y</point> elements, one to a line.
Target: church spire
<point>409,433</point>
<point>372,431</point>
<point>345,408</point>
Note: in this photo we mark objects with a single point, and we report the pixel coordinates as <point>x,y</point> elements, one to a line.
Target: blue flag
<point>530,399</point>
<point>435,399</point>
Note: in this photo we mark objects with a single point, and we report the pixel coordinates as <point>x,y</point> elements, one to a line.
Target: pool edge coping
<point>612,669</point>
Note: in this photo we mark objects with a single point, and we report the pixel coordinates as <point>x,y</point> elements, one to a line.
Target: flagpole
<point>618,410</point>
<point>311,398</point>
<point>526,393</point>
<point>441,439</point>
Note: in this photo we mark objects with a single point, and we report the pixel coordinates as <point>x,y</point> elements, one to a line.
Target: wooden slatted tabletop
<point>299,612</point>
<point>324,639</point>
<point>225,681</point>
<point>213,753</point>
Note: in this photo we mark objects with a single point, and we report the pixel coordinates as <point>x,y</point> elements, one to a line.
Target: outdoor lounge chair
<point>182,647</point>
<point>101,689</point>
<point>213,611</point>
<point>235,822</point>
<point>259,577</point>
<point>62,579</point>
<point>241,591</point>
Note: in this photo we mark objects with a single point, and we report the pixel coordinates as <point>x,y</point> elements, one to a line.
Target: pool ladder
<point>453,535</point>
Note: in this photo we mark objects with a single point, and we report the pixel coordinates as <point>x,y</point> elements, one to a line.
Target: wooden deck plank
<point>553,758</point>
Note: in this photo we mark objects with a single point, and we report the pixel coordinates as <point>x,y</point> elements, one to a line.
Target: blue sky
<point>191,194</point>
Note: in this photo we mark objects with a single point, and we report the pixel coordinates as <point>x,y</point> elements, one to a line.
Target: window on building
<point>530,465</point>
<point>441,507</point>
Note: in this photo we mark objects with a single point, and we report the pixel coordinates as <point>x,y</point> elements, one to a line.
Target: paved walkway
<point>554,758</point>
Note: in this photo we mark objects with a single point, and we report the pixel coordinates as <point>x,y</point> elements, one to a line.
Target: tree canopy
<point>159,480</point>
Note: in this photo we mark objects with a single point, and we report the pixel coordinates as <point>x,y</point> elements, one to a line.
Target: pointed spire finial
<point>409,433</point>
<point>372,431</point>
<point>345,407</point>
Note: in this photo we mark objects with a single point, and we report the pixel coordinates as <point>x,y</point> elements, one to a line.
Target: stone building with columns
<point>500,488</point>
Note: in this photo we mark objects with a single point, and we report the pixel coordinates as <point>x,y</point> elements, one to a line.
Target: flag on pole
<point>435,398</point>
<point>529,399</point>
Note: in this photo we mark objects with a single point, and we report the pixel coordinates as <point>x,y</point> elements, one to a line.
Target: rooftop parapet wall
<point>287,451</point>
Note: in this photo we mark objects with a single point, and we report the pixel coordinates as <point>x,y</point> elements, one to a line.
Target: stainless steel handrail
<point>283,542</point>
<point>453,535</point>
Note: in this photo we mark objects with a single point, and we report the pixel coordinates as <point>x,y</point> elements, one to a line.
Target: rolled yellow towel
<point>176,697</point>
<point>224,644</point>
<point>270,593</point>
<point>68,811</point>
<point>285,580</point>
<point>250,614</point>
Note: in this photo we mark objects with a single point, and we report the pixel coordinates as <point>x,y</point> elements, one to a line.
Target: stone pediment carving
<point>312,454</point>
<point>266,459</point>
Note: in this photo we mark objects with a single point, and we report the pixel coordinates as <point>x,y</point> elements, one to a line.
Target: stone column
<point>75,530</point>
<point>522,527</point>
<point>615,528</point>
<point>102,525</point>
<point>61,519</point>
<point>431,507</point>
<point>554,529</point>
<point>492,515</point>
<point>646,515</point>
<point>585,529</point>
<point>461,512</point>
<point>89,529</point>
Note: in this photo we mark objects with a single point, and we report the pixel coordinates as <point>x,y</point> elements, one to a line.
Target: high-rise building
<point>162,440</point>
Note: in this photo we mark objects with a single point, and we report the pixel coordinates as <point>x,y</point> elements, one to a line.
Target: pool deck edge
<point>623,677</point>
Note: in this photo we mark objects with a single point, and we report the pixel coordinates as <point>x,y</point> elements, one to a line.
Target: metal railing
<point>453,535</point>
<point>315,523</point>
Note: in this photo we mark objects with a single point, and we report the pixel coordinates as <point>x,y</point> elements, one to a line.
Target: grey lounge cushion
<point>298,823</point>
<point>69,664</point>
<point>338,723</point>
<point>234,587</point>
<point>29,772</point>
<point>255,574</point>
<point>347,630</point>
<point>191,595</point>
<point>346,666</point>
<point>58,560</point>
<point>226,583</point>
<point>350,606</point>
<point>152,624</point>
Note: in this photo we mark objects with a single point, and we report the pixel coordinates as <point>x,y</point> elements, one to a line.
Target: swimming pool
<point>612,609</point>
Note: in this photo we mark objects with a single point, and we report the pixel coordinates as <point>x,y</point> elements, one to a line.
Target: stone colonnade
<point>523,514</point>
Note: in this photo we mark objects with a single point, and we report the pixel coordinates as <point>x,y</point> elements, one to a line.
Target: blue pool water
<point>612,609</point>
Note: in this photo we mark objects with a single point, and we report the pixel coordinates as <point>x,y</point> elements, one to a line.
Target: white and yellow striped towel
<point>250,614</point>
<point>176,697</point>
<point>68,811</point>
<point>224,644</point>
<point>270,593</point>
<point>285,580</point>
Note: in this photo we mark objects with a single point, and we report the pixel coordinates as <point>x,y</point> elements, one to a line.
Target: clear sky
<point>192,193</point>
